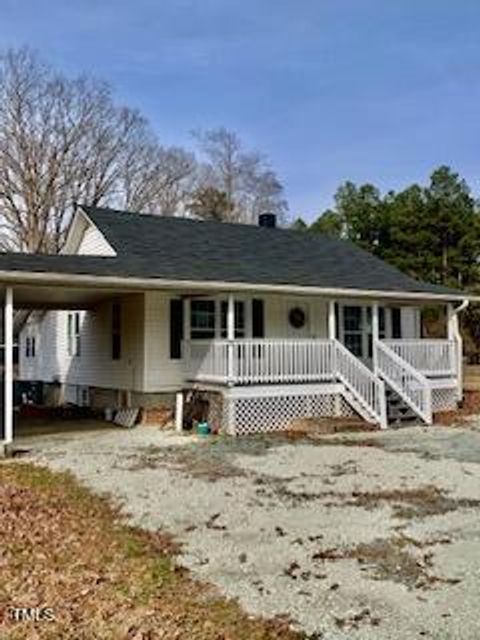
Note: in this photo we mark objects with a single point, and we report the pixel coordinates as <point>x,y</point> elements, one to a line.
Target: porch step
<point>397,409</point>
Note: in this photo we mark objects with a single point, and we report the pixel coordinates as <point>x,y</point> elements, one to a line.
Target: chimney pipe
<point>268,220</point>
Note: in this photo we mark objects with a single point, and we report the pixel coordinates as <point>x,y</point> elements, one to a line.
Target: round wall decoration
<point>297,318</point>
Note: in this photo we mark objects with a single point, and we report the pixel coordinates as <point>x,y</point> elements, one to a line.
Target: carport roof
<point>153,250</point>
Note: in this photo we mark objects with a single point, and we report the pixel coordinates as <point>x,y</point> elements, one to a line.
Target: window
<point>202,319</point>
<point>176,328</point>
<point>204,323</point>
<point>353,330</point>
<point>357,329</point>
<point>30,347</point>
<point>116,331</point>
<point>73,334</point>
<point>239,318</point>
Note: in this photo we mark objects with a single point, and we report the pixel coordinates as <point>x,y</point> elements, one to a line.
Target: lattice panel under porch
<point>444,400</point>
<point>260,414</point>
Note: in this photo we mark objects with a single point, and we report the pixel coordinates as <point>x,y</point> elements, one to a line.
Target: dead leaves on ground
<point>64,548</point>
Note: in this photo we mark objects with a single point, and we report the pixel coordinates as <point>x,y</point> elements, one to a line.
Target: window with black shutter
<point>176,328</point>
<point>396,323</point>
<point>116,331</point>
<point>258,318</point>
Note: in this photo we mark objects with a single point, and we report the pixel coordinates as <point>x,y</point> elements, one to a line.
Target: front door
<point>356,330</point>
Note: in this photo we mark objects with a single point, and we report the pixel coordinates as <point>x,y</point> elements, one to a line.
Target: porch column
<point>375,334</point>
<point>186,329</point>
<point>332,325</point>
<point>453,334</point>
<point>8,366</point>
<point>452,322</point>
<point>230,335</point>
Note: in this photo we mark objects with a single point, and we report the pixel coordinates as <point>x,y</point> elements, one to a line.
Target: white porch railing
<point>260,361</point>
<point>242,362</point>
<point>430,357</point>
<point>409,383</point>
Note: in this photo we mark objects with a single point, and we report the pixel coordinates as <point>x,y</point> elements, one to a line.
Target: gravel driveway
<point>366,536</point>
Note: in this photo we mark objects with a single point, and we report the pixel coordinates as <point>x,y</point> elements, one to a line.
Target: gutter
<point>132,284</point>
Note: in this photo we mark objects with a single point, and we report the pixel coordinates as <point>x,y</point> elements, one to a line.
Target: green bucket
<point>203,429</point>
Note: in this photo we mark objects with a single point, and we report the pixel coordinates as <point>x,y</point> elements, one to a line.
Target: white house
<point>269,324</point>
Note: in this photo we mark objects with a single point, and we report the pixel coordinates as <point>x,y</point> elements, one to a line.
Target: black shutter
<point>396,323</point>
<point>258,319</point>
<point>176,328</point>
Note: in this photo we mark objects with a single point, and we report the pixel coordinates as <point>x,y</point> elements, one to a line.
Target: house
<point>267,324</point>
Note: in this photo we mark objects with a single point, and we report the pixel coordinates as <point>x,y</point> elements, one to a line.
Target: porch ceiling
<point>59,297</point>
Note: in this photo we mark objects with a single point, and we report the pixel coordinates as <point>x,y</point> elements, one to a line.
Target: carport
<point>53,283</point>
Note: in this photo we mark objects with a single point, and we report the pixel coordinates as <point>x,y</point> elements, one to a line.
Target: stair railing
<point>366,388</point>
<point>411,385</point>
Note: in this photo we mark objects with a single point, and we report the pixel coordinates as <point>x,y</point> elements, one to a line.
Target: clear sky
<point>367,90</point>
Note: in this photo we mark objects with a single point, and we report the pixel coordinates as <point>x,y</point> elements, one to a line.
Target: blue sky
<point>367,90</point>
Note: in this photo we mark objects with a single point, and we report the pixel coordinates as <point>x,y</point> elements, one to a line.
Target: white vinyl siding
<point>145,363</point>
<point>95,366</point>
<point>93,243</point>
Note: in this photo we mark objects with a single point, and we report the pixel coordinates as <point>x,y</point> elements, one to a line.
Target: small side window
<point>73,334</point>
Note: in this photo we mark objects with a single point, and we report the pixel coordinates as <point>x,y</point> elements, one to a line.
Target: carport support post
<point>375,334</point>
<point>8,366</point>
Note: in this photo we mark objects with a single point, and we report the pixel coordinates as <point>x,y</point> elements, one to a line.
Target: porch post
<point>332,325</point>
<point>186,329</point>
<point>452,322</point>
<point>230,335</point>
<point>8,366</point>
<point>453,334</point>
<point>375,334</point>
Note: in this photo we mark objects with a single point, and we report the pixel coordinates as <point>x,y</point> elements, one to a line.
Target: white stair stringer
<point>407,382</point>
<point>363,412</point>
<point>362,388</point>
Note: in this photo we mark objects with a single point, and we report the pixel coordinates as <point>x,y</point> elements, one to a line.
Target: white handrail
<point>362,383</point>
<point>249,361</point>
<point>411,385</point>
<point>264,361</point>
<point>430,357</point>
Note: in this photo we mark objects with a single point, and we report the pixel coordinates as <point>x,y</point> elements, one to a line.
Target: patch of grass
<point>399,558</point>
<point>66,548</point>
<point>421,502</point>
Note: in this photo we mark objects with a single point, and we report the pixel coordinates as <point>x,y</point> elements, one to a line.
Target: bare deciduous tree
<point>64,141</point>
<point>246,178</point>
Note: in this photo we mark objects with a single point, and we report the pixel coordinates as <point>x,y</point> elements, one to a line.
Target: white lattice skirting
<point>274,410</point>
<point>444,399</point>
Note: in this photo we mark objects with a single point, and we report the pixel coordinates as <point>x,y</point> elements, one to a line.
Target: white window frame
<point>30,346</point>
<point>217,328</point>
<point>74,338</point>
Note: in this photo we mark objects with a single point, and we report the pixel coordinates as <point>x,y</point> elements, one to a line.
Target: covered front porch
<point>364,351</point>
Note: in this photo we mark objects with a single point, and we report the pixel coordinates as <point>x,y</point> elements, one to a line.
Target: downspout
<point>454,334</point>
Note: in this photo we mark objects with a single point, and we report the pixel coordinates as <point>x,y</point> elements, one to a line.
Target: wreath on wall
<point>297,318</point>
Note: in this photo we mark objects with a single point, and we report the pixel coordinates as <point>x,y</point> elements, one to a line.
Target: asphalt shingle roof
<point>183,249</point>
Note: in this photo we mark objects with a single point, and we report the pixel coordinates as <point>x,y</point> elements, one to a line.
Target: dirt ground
<point>370,535</point>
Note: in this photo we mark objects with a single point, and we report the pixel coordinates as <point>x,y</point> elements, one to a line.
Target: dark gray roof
<point>184,249</point>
